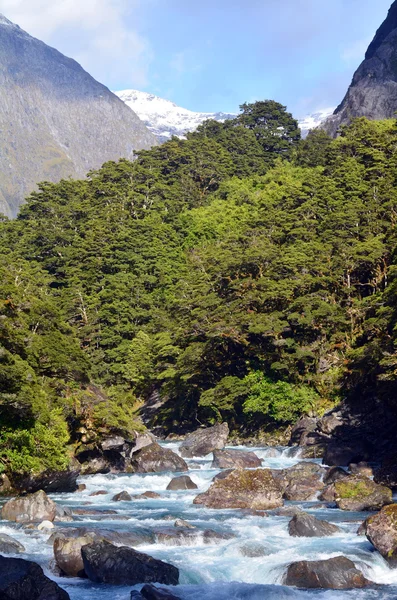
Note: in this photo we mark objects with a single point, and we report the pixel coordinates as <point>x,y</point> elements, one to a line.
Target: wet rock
<point>359,493</point>
<point>386,474</point>
<point>138,537</point>
<point>361,468</point>
<point>328,494</point>
<point>381,531</point>
<point>50,481</point>
<point>330,423</point>
<point>10,546</point>
<point>67,552</point>
<point>243,489</point>
<point>151,592</point>
<point>181,483</point>
<point>30,508</point>
<point>94,463</point>
<point>337,573</point>
<point>253,550</point>
<point>147,495</point>
<point>335,474</point>
<point>229,459</point>
<point>182,523</point>
<point>287,511</point>
<point>105,563</point>
<point>99,493</point>
<point>24,580</point>
<point>222,474</point>
<point>361,529</point>
<point>273,452</point>
<point>45,526</point>
<point>300,482</point>
<point>300,432</point>
<point>204,441</point>
<point>313,451</point>
<point>172,536</point>
<point>155,459</point>
<point>63,513</point>
<point>344,453</point>
<point>304,525</point>
<point>92,512</point>
<point>122,497</point>
<point>81,487</point>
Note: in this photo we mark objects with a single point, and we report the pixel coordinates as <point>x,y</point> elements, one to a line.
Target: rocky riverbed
<point>255,533</point>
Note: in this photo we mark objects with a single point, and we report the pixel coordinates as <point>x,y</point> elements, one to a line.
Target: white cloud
<point>97,33</point>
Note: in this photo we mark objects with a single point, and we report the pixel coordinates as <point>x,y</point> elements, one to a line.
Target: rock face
<point>105,563</point>
<point>243,489</point>
<point>155,459</point>
<point>181,483</point>
<point>204,441</point>
<point>381,531</point>
<point>304,525</point>
<point>359,493</point>
<point>54,111</point>
<point>337,573</point>
<point>33,507</point>
<point>230,459</point>
<point>373,91</point>
<point>67,552</point>
<point>24,580</point>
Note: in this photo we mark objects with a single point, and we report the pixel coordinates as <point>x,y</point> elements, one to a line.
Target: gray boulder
<point>230,459</point>
<point>381,531</point>
<point>33,507</point>
<point>304,525</point>
<point>122,497</point>
<point>151,592</point>
<point>67,552</point>
<point>155,459</point>
<point>337,573</point>
<point>204,441</point>
<point>181,483</point>
<point>10,546</point>
<point>24,580</point>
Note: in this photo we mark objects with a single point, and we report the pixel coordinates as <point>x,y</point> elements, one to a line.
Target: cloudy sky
<point>211,55</point>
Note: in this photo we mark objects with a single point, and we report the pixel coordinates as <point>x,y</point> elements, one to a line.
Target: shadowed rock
<point>155,459</point>
<point>204,441</point>
<point>24,580</point>
<point>181,483</point>
<point>304,525</point>
<point>337,573</point>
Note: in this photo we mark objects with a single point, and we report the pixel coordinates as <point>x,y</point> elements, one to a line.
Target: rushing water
<point>215,571</point>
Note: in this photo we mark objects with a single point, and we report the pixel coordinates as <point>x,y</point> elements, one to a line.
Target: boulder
<point>335,474</point>
<point>330,423</point>
<point>337,573</point>
<point>173,536</point>
<point>151,592</point>
<point>10,546</point>
<point>381,531</point>
<point>222,474</point>
<point>50,481</point>
<point>301,431</point>
<point>386,474</point>
<point>33,507</point>
<point>300,482</point>
<point>63,513</point>
<point>361,468</point>
<point>67,552</point>
<point>155,459</point>
<point>243,489</point>
<point>328,494</point>
<point>24,580</point>
<point>122,497</point>
<point>105,563</point>
<point>357,493</point>
<point>181,483</point>
<point>45,526</point>
<point>99,493</point>
<point>138,537</point>
<point>304,525</point>
<point>5,485</point>
<point>230,459</point>
<point>344,453</point>
<point>146,495</point>
<point>81,487</point>
<point>286,511</point>
<point>115,442</point>
<point>182,523</point>
<point>204,441</point>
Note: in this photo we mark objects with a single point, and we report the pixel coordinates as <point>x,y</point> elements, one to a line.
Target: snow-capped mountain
<point>165,119</point>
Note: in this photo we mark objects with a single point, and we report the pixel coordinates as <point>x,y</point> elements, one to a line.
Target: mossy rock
<point>360,493</point>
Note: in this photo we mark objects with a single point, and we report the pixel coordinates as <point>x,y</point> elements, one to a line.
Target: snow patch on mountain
<point>165,118</point>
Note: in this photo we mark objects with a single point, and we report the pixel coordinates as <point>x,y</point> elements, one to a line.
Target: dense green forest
<point>242,274</point>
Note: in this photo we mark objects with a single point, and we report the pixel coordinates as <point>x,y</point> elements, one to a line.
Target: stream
<point>219,571</point>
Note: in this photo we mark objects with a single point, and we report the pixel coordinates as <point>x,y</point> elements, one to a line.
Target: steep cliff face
<point>55,119</point>
<point>373,91</point>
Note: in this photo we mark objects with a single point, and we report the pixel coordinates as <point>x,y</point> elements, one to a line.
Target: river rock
<point>222,474</point>
<point>147,495</point>
<point>151,592</point>
<point>122,497</point>
<point>253,550</point>
<point>24,580</point>
<point>344,453</point>
<point>181,483</point>
<point>155,459</point>
<point>381,531</point>
<point>63,513</point>
<point>138,537</point>
<point>33,507</point>
<point>302,430</point>
<point>105,563</point>
<point>99,493</point>
<point>173,536</point>
<point>5,485</point>
<point>386,474</point>
<point>357,493</point>
<point>361,468</point>
<point>304,525</point>
<point>243,489</point>
<point>229,459</point>
<point>337,573</point>
<point>50,481</point>
<point>67,552</point>
<point>300,482</point>
<point>335,474</point>
<point>45,526</point>
<point>10,546</point>
<point>182,523</point>
<point>328,494</point>
<point>204,441</point>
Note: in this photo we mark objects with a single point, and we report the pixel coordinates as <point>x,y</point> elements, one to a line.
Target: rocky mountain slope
<point>165,118</point>
<point>55,119</point>
<point>373,91</point>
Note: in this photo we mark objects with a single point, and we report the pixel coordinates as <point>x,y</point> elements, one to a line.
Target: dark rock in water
<point>105,563</point>
<point>93,512</point>
<point>33,507</point>
<point>181,483</point>
<point>300,482</point>
<point>122,497</point>
<point>151,592</point>
<point>361,468</point>
<point>229,459</point>
<point>67,552</point>
<point>155,459</point>
<point>344,453</point>
<point>24,580</point>
<point>304,525</point>
<point>10,546</point>
<point>243,489</point>
<point>204,441</point>
<point>335,474</point>
<point>337,573</point>
<point>381,531</point>
<point>51,482</point>
<point>135,595</point>
<point>359,493</point>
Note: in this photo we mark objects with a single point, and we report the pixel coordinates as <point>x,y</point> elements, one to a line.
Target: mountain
<point>373,91</point>
<point>55,120</point>
<point>314,120</point>
<point>163,117</point>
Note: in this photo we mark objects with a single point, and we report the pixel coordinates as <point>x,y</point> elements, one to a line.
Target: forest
<point>241,275</point>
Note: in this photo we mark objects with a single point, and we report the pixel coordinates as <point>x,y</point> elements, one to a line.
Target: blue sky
<point>211,55</point>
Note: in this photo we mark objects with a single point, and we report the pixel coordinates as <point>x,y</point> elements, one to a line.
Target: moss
<point>356,488</point>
